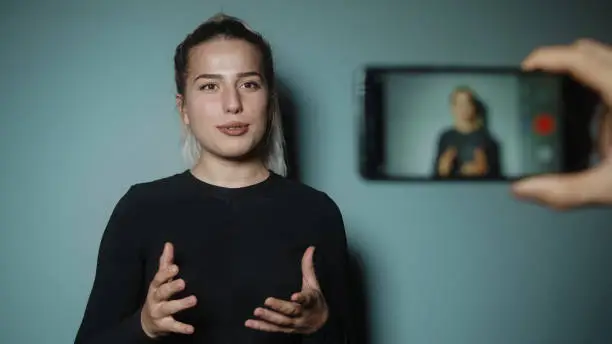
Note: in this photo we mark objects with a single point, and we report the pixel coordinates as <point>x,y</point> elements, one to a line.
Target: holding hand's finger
<point>588,61</point>
<point>604,131</point>
<point>557,191</point>
<point>285,307</point>
<point>267,327</point>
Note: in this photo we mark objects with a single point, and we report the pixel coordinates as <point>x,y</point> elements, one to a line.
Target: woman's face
<point>226,98</point>
<point>463,107</point>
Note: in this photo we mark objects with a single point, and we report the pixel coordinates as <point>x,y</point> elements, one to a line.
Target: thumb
<point>167,257</point>
<point>309,278</point>
<point>566,191</point>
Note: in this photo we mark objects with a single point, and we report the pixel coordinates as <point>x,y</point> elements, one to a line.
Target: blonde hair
<point>479,120</point>
<point>273,153</point>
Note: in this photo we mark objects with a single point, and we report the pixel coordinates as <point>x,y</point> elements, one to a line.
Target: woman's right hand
<point>446,161</point>
<point>157,313</point>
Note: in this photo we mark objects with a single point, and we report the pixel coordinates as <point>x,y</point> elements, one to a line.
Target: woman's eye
<point>208,87</point>
<point>251,85</point>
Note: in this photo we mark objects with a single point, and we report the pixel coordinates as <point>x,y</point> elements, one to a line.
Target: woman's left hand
<point>477,167</point>
<point>305,313</point>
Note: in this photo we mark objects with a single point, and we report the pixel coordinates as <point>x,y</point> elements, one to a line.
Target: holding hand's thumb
<point>551,190</point>
<point>565,191</point>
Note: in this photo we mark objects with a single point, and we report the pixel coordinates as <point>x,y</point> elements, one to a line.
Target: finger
<point>563,191</point>
<point>309,278</point>
<point>167,256</point>
<point>166,290</point>
<point>588,61</point>
<point>604,132</point>
<point>481,159</point>
<point>172,307</point>
<point>168,324</point>
<point>304,298</point>
<point>274,317</point>
<point>288,308</point>
<point>261,325</point>
<point>163,275</point>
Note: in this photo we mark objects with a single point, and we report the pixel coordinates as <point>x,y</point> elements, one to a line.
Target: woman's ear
<point>180,106</point>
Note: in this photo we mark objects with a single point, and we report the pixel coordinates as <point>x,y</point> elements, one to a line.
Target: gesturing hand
<point>446,161</point>
<point>591,63</point>
<point>156,316</point>
<point>305,313</point>
<point>476,167</point>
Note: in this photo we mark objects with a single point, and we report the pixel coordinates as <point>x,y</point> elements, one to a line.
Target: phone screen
<point>472,124</point>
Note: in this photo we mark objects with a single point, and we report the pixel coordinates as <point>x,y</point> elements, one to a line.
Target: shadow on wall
<point>290,118</point>
<point>360,322</point>
<point>360,308</point>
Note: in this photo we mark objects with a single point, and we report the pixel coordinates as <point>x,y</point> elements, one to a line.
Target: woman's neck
<point>230,174</point>
<point>466,127</point>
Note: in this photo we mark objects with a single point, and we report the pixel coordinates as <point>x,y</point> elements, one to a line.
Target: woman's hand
<point>446,161</point>
<point>305,313</point>
<point>591,63</point>
<point>156,316</point>
<point>476,167</point>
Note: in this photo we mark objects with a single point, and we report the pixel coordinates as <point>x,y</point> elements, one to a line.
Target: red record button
<point>544,124</point>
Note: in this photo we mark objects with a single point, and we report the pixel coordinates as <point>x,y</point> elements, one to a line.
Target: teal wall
<point>87,108</point>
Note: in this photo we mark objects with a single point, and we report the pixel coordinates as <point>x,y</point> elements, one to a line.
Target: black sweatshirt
<point>466,145</point>
<point>235,247</point>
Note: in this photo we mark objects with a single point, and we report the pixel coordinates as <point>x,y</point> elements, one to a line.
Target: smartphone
<point>472,123</point>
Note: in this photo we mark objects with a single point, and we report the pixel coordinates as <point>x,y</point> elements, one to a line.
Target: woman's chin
<point>236,152</point>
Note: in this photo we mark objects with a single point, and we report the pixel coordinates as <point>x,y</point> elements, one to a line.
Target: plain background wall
<point>418,112</point>
<point>87,109</point>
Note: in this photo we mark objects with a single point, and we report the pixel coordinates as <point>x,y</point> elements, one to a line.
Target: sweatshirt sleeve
<point>112,313</point>
<point>332,270</point>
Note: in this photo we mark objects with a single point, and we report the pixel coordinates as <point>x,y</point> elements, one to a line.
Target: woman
<point>467,150</point>
<point>236,239</point>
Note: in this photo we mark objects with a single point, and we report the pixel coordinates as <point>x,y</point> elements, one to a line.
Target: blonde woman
<point>224,252</point>
<point>466,150</point>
